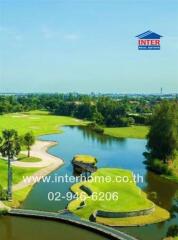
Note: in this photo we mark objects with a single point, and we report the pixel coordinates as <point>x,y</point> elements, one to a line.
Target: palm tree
<point>10,147</point>
<point>28,141</point>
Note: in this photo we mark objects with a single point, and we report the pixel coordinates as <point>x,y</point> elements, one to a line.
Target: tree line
<point>103,110</point>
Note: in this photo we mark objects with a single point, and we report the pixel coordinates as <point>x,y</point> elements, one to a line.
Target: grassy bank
<point>39,122</point>
<point>130,198</point>
<point>127,132</point>
<point>18,197</point>
<point>18,173</point>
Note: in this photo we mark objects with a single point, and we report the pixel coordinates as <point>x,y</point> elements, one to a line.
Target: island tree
<point>163,135</point>
<point>28,141</point>
<point>10,148</point>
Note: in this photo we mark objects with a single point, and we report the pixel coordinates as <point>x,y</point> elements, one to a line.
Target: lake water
<point>110,152</point>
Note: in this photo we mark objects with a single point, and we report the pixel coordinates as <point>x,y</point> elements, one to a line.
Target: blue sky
<point>87,46</point>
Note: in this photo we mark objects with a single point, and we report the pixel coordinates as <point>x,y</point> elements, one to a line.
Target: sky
<point>87,46</point>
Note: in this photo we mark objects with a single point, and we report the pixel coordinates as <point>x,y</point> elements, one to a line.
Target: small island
<point>84,163</point>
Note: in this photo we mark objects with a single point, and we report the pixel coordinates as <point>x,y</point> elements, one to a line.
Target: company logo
<point>149,41</point>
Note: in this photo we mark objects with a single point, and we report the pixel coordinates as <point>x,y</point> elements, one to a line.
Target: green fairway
<point>39,122</point>
<point>127,132</point>
<point>18,173</point>
<point>130,197</point>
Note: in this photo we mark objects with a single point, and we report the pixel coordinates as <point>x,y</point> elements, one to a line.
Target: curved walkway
<point>48,163</point>
<point>67,217</point>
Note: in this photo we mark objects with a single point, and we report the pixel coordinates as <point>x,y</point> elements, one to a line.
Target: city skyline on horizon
<point>90,93</point>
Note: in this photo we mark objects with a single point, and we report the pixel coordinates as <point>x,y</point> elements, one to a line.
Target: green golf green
<point>118,193</point>
<point>85,159</point>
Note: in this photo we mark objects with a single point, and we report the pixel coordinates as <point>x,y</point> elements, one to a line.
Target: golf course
<point>129,198</point>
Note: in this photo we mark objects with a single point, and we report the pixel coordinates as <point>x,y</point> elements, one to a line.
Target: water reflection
<point>164,188</point>
<point>88,134</point>
<point>19,228</point>
<point>6,228</point>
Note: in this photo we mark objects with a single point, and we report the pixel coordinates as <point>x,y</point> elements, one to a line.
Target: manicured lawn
<point>39,122</point>
<point>85,159</point>
<point>127,132</point>
<point>18,173</point>
<point>130,197</point>
<point>24,158</point>
<point>18,197</point>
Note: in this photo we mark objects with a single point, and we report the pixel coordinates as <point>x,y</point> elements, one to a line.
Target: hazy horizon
<point>90,93</point>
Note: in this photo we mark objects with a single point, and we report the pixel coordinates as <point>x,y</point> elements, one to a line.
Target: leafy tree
<point>10,147</point>
<point>125,121</point>
<point>98,118</point>
<point>86,110</point>
<point>163,134</point>
<point>28,141</point>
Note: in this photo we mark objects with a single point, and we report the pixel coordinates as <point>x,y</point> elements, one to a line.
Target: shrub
<point>95,127</point>
<point>125,121</point>
<point>141,119</point>
<point>3,193</point>
<point>3,212</point>
<point>159,167</point>
<point>152,196</point>
<point>172,231</point>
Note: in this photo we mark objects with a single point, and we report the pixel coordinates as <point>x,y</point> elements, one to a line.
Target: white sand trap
<point>39,150</point>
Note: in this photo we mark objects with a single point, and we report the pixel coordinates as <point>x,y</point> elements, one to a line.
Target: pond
<point>110,152</point>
